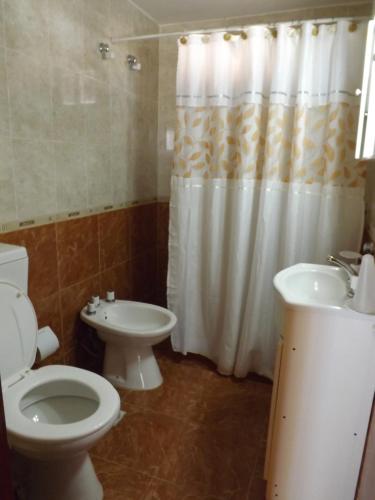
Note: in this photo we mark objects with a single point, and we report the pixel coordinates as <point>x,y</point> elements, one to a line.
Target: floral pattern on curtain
<point>277,142</point>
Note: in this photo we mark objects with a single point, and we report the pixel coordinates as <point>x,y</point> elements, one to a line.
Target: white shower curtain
<point>264,177</point>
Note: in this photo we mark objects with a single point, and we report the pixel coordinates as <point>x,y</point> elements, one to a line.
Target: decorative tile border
<point>7,227</point>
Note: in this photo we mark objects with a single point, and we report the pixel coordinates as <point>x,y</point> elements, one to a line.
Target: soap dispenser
<point>364,298</point>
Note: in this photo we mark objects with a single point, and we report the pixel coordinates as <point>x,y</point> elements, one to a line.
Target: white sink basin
<point>313,285</point>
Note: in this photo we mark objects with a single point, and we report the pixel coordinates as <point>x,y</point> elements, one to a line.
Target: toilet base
<point>65,479</point>
<point>131,367</point>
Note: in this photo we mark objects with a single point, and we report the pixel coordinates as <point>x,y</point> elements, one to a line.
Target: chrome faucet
<point>350,272</point>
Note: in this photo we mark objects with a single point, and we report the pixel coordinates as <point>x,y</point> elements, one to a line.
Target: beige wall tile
<point>7,193</point>
<point>26,24</point>
<point>35,178</point>
<point>66,33</point>
<point>68,107</point>
<point>97,103</point>
<point>94,121</point>
<point>71,178</point>
<point>121,171</point>
<point>96,30</point>
<point>102,7</point>
<point>4,103</point>
<point>2,34</point>
<point>29,93</point>
<point>99,175</point>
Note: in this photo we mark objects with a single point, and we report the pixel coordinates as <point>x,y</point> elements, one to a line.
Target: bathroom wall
<point>78,156</point>
<point>77,134</point>
<point>74,259</point>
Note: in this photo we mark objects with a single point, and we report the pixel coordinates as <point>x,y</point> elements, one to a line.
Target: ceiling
<point>175,11</point>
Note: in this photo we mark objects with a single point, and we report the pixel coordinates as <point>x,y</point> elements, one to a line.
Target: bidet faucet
<point>350,272</point>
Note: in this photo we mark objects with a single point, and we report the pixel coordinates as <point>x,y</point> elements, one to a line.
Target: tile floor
<point>200,436</point>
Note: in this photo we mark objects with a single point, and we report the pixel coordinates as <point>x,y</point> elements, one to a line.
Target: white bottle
<point>364,297</point>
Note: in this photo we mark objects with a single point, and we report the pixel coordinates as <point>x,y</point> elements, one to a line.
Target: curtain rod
<point>231,28</point>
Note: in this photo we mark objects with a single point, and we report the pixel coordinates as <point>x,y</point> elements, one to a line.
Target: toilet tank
<point>14,265</point>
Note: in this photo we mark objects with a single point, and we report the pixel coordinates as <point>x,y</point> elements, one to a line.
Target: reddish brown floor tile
<point>177,387</point>
<point>114,238</point>
<point>162,490</point>
<point>77,250</point>
<point>257,489</point>
<point>119,482</point>
<point>140,441</point>
<point>220,458</point>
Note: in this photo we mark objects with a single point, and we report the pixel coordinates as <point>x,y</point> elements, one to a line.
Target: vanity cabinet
<point>321,406</point>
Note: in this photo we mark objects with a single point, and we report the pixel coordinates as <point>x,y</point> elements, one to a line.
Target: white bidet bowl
<point>129,330</point>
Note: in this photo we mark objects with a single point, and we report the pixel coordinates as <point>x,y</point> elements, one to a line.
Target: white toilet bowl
<point>55,414</point>
<point>129,330</point>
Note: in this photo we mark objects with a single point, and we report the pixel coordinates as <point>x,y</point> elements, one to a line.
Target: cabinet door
<point>275,390</point>
<point>366,484</point>
<point>365,147</point>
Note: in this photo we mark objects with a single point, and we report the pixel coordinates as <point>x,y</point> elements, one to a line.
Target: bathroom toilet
<point>54,414</point>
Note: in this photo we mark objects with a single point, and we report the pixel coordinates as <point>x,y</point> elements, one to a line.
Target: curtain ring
<point>273,31</point>
<point>227,37</point>
<point>183,40</point>
<point>243,35</point>
<point>352,27</point>
<point>315,30</point>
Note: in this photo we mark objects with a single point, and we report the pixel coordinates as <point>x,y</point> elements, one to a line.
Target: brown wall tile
<point>77,250</point>
<point>114,238</point>
<point>119,279</point>
<point>73,299</point>
<point>49,314</point>
<point>72,260</point>
<point>162,224</point>
<point>142,227</point>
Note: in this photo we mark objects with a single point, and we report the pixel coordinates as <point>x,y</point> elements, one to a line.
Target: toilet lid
<point>18,331</point>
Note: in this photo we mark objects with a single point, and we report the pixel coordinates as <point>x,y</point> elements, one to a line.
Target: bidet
<point>129,330</point>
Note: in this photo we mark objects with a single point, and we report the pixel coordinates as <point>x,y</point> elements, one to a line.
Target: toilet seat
<point>17,355</point>
<point>21,427</point>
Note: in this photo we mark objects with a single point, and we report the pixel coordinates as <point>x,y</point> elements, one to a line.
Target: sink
<point>323,389</point>
<point>313,285</point>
